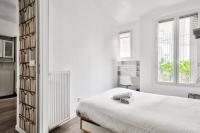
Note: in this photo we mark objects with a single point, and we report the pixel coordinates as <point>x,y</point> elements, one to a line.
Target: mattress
<point>146,113</point>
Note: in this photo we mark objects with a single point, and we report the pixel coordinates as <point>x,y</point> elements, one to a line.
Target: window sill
<point>177,84</point>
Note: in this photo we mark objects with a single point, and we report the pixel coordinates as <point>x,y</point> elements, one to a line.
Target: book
<point>33,85</point>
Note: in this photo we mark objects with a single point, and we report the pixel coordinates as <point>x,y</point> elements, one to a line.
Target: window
<point>178,50</point>
<point>125,45</point>
<point>165,51</point>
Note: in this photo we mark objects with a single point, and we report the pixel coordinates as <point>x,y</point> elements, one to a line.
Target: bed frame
<point>91,127</point>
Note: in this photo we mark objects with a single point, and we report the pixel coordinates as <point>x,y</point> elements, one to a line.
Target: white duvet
<point>146,113</point>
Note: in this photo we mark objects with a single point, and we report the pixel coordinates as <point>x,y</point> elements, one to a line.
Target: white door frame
<point>44,65</point>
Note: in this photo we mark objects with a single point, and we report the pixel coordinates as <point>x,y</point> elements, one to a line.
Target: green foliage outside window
<point>184,67</point>
<point>166,70</point>
<point>184,70</point>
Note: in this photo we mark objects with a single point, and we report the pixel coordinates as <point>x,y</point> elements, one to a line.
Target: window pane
<point>187,60</point>
<point>125,45</point>
<point>166,51</point>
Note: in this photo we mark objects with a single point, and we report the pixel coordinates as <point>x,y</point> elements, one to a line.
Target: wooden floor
<point>8,119</point>
<point>72,126</point>
<point>7,115</point>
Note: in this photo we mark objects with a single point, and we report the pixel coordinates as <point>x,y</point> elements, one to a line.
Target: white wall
<point>8,28</point>
<point>9,18</point>
<point>148,50</point>
<point>81,40</point>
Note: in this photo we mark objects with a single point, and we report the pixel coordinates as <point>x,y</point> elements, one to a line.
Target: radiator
<point>59,98</point>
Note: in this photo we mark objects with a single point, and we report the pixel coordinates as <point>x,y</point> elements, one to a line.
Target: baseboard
<point>18,129</point>
<point>64,121</point>
<point>72,116</point>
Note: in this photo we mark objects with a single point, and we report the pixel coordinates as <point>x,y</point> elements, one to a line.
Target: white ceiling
<point>122,11</point>
<point>8,11</point>
<point>126,11</point>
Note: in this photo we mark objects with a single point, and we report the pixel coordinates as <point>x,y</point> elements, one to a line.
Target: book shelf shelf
<point>28,66</point>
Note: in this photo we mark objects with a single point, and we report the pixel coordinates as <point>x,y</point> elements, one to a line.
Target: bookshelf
<point>28,66</point>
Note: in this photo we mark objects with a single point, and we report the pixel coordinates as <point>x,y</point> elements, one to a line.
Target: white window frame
<point>176,18</point>
<point>131,51</point>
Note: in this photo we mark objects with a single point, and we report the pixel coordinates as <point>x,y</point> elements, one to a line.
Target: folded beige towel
<point>124,100</point>
<point>122,95</point>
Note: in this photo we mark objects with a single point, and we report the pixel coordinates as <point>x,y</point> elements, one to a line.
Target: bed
<point>146,113</point>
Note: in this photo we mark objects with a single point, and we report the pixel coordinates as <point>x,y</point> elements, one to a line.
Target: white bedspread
<point>146,113</point>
